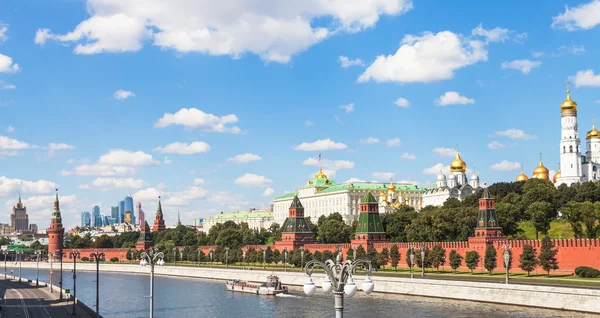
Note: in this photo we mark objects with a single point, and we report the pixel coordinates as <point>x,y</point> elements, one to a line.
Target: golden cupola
<point>391,187</point>
<point>320,175</point>
<point>593,134</point>
<point>522,176</point>
<point>458,165</point>
<point>568,106</point>
<point>541,172</point>
<point>556,175</point>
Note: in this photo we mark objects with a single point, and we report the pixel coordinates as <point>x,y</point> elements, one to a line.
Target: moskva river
<point>123,295</point>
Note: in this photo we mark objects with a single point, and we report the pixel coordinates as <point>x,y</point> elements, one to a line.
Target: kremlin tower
<point>159,223</point>
<point>296,231</point>
<point>56,231</point>
<point>370,229</point>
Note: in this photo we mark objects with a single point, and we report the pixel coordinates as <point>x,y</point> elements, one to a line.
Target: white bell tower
<point>570,151</point>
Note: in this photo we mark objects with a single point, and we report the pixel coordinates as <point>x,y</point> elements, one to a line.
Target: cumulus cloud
<point>402,102</point>
<point>446,152</point>
<point>537,55</point>
<point>183,148</point>
<point>105,184</point>
<point>7,65</point>
<point>346,62</point>
<point>321,144</point>
<point>348,108</point>
<point>98,170</point>
<point>60,146</point>
<point>195,118</point>
<point>506,165</point>
<point>583,17</point>
<point>3,31</point>
<point>123,94</point>
<point>435,170</point>
<point>268,192</point>
<point>183,198</point>
<point>7,143</point>
<point>586,78</point>
<point>244,158</point>
<point>514,134</point>
<point>394,142</point>
<point>167,160</point>
<point>496,145</point>
<point>408,156</point>
<point>524,66</point>
<point>351,180</point>
<point>10,186</point>
<point>199,181</point>
<point>7,85</point>
<point>120,157</point>
<point>250,180</point>
<point>383,175</point>
<point>329,164</point>
<point>453,98</point>
<point>369,140</point>
<point>275,31</point>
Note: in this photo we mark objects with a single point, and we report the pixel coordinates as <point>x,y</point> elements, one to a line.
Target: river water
<point>122,295</point>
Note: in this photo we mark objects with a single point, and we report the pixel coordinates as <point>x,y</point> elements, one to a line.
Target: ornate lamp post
<point>60,254</point>
<point>75,255</point>
<point>506,256</point>
<point>151,259</point>
<point>50,257</point>
<point>97,257</point>
<point>37,253</point>
<point>301,256</point>
<point>354,252</point>
<point>412,262</point>
<point>227,257</point>
<point>339,280</point>
<point>19,256</point>
<point>285,254</point>
<point>422,261</point>
<point>174,256</point>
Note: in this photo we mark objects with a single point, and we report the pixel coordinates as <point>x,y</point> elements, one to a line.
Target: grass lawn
<point>559,229</point>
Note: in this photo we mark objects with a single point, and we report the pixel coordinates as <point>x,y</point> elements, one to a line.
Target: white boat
<point>271,287</point>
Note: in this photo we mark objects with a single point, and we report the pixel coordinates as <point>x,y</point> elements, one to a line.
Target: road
<point>25,301</point>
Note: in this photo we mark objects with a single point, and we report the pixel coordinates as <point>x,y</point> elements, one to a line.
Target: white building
<point>323,196</point>
<point>455,186</point>
<point>575,167</point>
<point>255,219</point>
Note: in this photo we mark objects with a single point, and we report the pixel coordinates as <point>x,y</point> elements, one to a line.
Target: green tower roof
<point>159,209</point>
<point>369,198</point>
<point>145,235</point>
<point>296,203</point>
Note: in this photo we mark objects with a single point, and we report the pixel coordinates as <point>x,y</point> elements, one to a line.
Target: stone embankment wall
<point>575,299</point>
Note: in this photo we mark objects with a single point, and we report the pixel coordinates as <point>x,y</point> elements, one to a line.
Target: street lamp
<point>243,256</point>
<point>5,252</point>
<point>264,257</point>
<point>199,250</point>
<point>412,262</point>
<point>227,257</point>
<point>38,253</point>
<point>301,256</point>
<point>285,254</point>
<point>211,257</point>
<point>19,256</point>
<point>75,255</point>
<point>506,256</point>
<point>97,257</point>
<point>423,261</point>
<point>60,253</point>
<point>354,252</point>
<point>151,259</point>
<point>339,280</point>
<point>174,256</point>
<point>120,255</point>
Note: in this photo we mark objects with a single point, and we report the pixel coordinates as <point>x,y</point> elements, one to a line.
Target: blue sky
<point>219,107</point>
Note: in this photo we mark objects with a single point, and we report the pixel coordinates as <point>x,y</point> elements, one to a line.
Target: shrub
<point>85,259</point>
<point>587,272</point>
<point>114,259</point>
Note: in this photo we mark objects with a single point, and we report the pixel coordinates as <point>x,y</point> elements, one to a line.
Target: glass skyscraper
<point>114,215</point>
<point>129,207</point>
<point>85,219</point>
<point>96,216</point>
<point>121,211</point>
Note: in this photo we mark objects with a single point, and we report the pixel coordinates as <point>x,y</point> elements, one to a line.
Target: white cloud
<point>7,65</point>
<point>537,55</point>
<point>369,140</point>
<point>453,98</point>
<point>524,66</point>
<point>199,181</point>
<point>329,164</point>
<point>446,152</point>
<point>493,35</point>
<point>123,94</point>
<point>309,123</point>
<point>39,209</point>
<point>348,108</point>
<point>506,165</point>
<point>383,175</point>
<point>268,192</point>
<point>244,158</point>
<point>515,134</point>
<point>195,118</point>
<point>98,170</point>
<point>183,198</point>
<point>346,62</point>
<point>250,180</point>
<point>435,170</point>
<point>14,186</point>
<point>183,148</point>
<point>7,86</point>
<point>351,180</point>
<point>148,194</point>
<point>3,30</point>
<point>12,144</point>
<point>496,145</point>
<point>321,144</point>
<point>167,160</point>
<point>583,17</point>
<point>275,31</point>
<point>572,49</point>
<point>10,129</point>
<point>120,157</point>
<point>402,102</point>
<point>586,78</point>
<point>408,156</point>
<point>395,142</point>
<point>60,146</point>
<point>105,184</point>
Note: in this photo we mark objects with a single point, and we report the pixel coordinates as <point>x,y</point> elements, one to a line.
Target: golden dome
<point>593,133</point>
<point>569,105</point>
<point>391,187</point>
<point>522,177</point>
<point>541,172</point>
<point>556,176</point>
<point>320,175</point>
<point>382,194</point>
<point>458,165</point>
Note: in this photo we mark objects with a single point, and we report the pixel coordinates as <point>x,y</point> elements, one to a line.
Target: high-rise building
<point>19,220</point>
<point>129,207</point>
<point>128,217</point>
<point>140,216</point>
<point>106,220</point>
<point>114,214</point>
<point>97,220</point>
<point>121,211</point>
<point>86,219</point>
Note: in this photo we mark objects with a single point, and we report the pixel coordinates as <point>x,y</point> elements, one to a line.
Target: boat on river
<point>271,287</point>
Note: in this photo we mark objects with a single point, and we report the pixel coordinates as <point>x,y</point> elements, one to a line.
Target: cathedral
<point>574,167</point>
<point>455,185</point>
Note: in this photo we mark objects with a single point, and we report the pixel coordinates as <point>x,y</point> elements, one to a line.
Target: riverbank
<point>551,297</point>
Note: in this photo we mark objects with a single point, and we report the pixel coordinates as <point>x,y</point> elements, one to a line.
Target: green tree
<point>360,252</point>
<point>541,215</point>
<point>408,253</point>
<point>437,257</point>
<point>455,260</point>
<point>423,255</point>
<point>276,256</point>
<point>350,253</point>
<point>333,230</point>
<point>490,261</point>
<point>129,255</point>
<point>528,259</point>
<point>384,257</point>
<point>395,256</point>
<point>318,256</point>
<point>395,223</point>
<point>327,254</point>
<point>268,255</point>
<point>373,256</point>
<point>472,260</point>
<point>547,255</point>
<point>582,215</point>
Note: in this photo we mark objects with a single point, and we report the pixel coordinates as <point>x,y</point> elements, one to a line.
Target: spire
<point>541,163</point>
<point>594,122</point>
<point>178,220</point>
<point>159,209</point>
<point>19,198</point>
<point>521,168</point>
<point>56,205</point>
<point>568,90</point>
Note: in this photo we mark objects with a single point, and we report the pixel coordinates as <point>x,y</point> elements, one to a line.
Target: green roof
<point>369,223</point>
<point>241,215</point>
<point>369,199</point>
<point>366,186</point>
<point>287,196</point>
<point>296,225</point>
<point>296,203</point>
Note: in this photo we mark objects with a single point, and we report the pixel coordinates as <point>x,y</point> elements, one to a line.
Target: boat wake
<point>287,295</point>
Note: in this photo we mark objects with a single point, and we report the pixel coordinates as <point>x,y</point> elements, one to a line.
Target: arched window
<point>570,148</point>
<point>564,149</point>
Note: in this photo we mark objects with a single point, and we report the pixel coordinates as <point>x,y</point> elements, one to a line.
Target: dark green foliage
<point>528,259</point>
<point>422,255</point>
<point>332,229</point>
<point>384,257</point>
<point>455,260</point>
<point>437,257</point>
<point>394,223</point>
<point>394,256</point>
<point>360,252</point>
<point>547,255</point>
<point>587,272</point>
<point>490,261</point>
<point>472,260</point>
<point>114,259</point>
<point>85,259</point>
<point>372,256</point>
<point>407,258</point>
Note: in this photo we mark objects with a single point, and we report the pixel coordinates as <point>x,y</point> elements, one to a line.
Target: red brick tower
<point>159,223</point>
<point>55,232</point>
<point>370,228</point>
<point>296,231</point>
<point>145,240</point>
<point>487,231</point>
